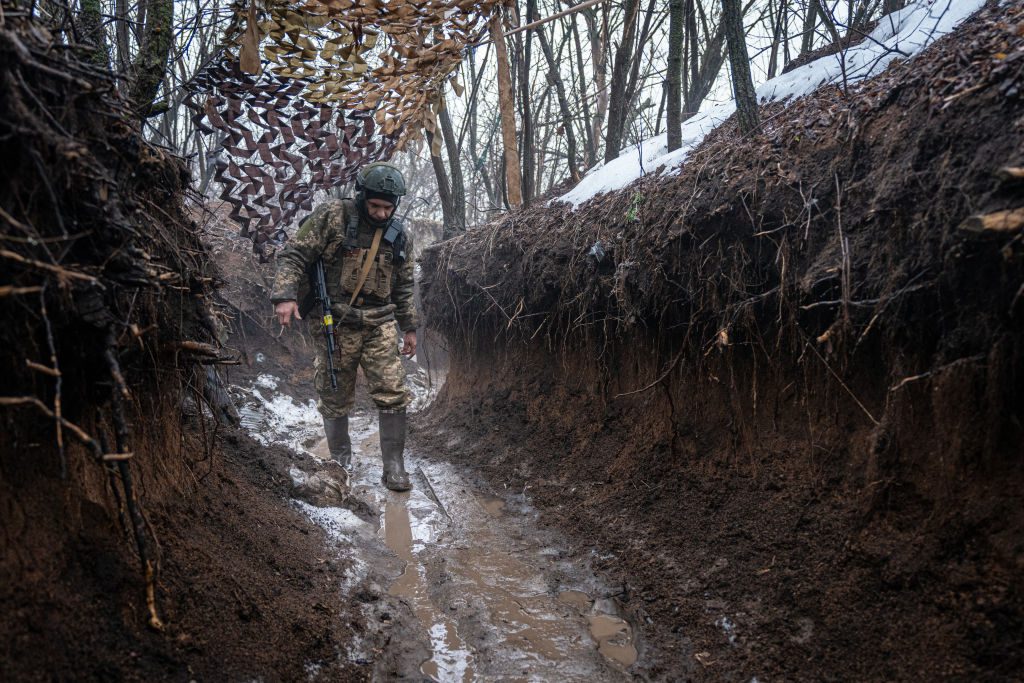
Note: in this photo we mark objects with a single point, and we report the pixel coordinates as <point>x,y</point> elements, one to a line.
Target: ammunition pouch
<point>394,238</point>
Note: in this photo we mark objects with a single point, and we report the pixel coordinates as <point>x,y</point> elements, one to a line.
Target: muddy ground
<point>249,587</point>
<point>781,402</point>
<point>477,589</point>
<point>771,456</point>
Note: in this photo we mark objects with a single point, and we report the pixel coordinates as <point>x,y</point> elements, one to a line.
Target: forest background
<point>588,81</point>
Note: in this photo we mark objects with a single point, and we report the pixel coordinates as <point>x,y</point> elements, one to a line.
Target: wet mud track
<point>473,587</point>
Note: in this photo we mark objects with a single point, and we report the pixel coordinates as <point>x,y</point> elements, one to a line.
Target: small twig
<point>79,433</point>
<point>966,91</point>
<point>838,302</point>
<point>839,379</point>
<point>60,272</point>
<point>10,290</point>
<point>924,375</point>
<point>671,367</point>
<point>115,457</point>
<point>55,370</point>
<point>45,369</point>
<point>433,493</point>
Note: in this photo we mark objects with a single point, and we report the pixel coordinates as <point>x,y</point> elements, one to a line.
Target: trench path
<point>492,593</point>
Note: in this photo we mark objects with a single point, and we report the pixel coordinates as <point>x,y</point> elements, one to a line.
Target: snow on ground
<point>271,417</point>
<point>898,35</point>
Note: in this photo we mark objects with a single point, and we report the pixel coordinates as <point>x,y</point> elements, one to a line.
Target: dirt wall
<point>781,389</point>
<point>132,545</point>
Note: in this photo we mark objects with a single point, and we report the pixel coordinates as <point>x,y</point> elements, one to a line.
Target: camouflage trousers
<point>375,349</point>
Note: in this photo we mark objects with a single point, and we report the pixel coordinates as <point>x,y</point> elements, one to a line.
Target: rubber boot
<point>338,441</point>
<point>392,449</point>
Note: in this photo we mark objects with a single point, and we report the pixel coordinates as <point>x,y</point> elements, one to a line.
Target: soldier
<point>369,272</point>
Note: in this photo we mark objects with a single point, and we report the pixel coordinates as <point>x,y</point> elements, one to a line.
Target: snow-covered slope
<point>898,35</point>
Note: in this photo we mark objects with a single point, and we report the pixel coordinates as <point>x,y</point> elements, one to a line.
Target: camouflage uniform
<point>365,332</point>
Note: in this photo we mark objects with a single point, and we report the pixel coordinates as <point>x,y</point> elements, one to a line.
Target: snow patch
<point>271,417</point>
<point>267,382</point>
<point>901,34</point>
<point>339,523</point>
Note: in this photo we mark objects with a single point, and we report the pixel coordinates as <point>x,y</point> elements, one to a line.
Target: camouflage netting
<point>340,83</point>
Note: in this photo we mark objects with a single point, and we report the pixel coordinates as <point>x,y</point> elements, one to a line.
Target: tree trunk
<point>150,64</point>
<point>90,19</point>
<point>706,73</point>
<point>506,105</point>
<point>742,83</point>
<point>456,224</point>
<point>527,142</point>
<point>618,97</point>
<point>121,33</point>
<point>778,31</point>
<point>588,118</point>
<point>599,55</point>
<point>673,89</point>
<point>563,105</point>
<point>810,22</point>
<point>444,192</point>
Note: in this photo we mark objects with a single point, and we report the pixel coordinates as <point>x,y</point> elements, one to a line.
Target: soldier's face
<point>379,209</point>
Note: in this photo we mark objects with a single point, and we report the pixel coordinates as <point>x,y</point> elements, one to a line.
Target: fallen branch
<point>200,348</point>
<point>150,560</point>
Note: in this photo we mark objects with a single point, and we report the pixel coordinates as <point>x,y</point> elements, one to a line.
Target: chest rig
<point>359,281</point>
<point>393,237</point>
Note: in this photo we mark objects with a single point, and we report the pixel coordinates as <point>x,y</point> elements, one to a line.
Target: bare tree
<point>554,75</point>
<point>150,65</point>
<point>673,79</point>
<point>742,83</point>
<point>618,97</point>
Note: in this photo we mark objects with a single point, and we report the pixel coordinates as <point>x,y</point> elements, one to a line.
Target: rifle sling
<point>367,264</point>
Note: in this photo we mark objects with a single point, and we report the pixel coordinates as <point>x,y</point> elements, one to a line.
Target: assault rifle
<point>320,281</point>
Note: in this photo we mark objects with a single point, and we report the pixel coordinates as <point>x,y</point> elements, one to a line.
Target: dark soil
<point>109,320</point>
<point>249,587</point>
<point>785,406</point>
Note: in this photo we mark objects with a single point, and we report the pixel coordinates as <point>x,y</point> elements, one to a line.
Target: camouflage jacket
<point>388,288</point>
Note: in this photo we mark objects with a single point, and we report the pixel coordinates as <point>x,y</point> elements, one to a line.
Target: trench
<point>488,591</point>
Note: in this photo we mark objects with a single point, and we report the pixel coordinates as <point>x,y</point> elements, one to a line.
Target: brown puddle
<point>614,637</point>
<point>577,599</point>
<point>450,660</point>
<point>493,506</point>
<point>480,583</point>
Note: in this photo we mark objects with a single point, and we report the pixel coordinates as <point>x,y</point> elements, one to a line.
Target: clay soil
<point>778,395</point>
<point>249,587</point>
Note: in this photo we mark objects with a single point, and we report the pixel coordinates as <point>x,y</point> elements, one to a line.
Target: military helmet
<point>378,181</point>
<point>380,178</point>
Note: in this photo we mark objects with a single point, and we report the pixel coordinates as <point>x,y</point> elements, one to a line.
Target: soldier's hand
<point>285,310</point>
<point>409,344</point>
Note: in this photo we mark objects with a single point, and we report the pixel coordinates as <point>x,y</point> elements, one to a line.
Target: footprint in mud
<point>613,634</point>
<point>319,488</point>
